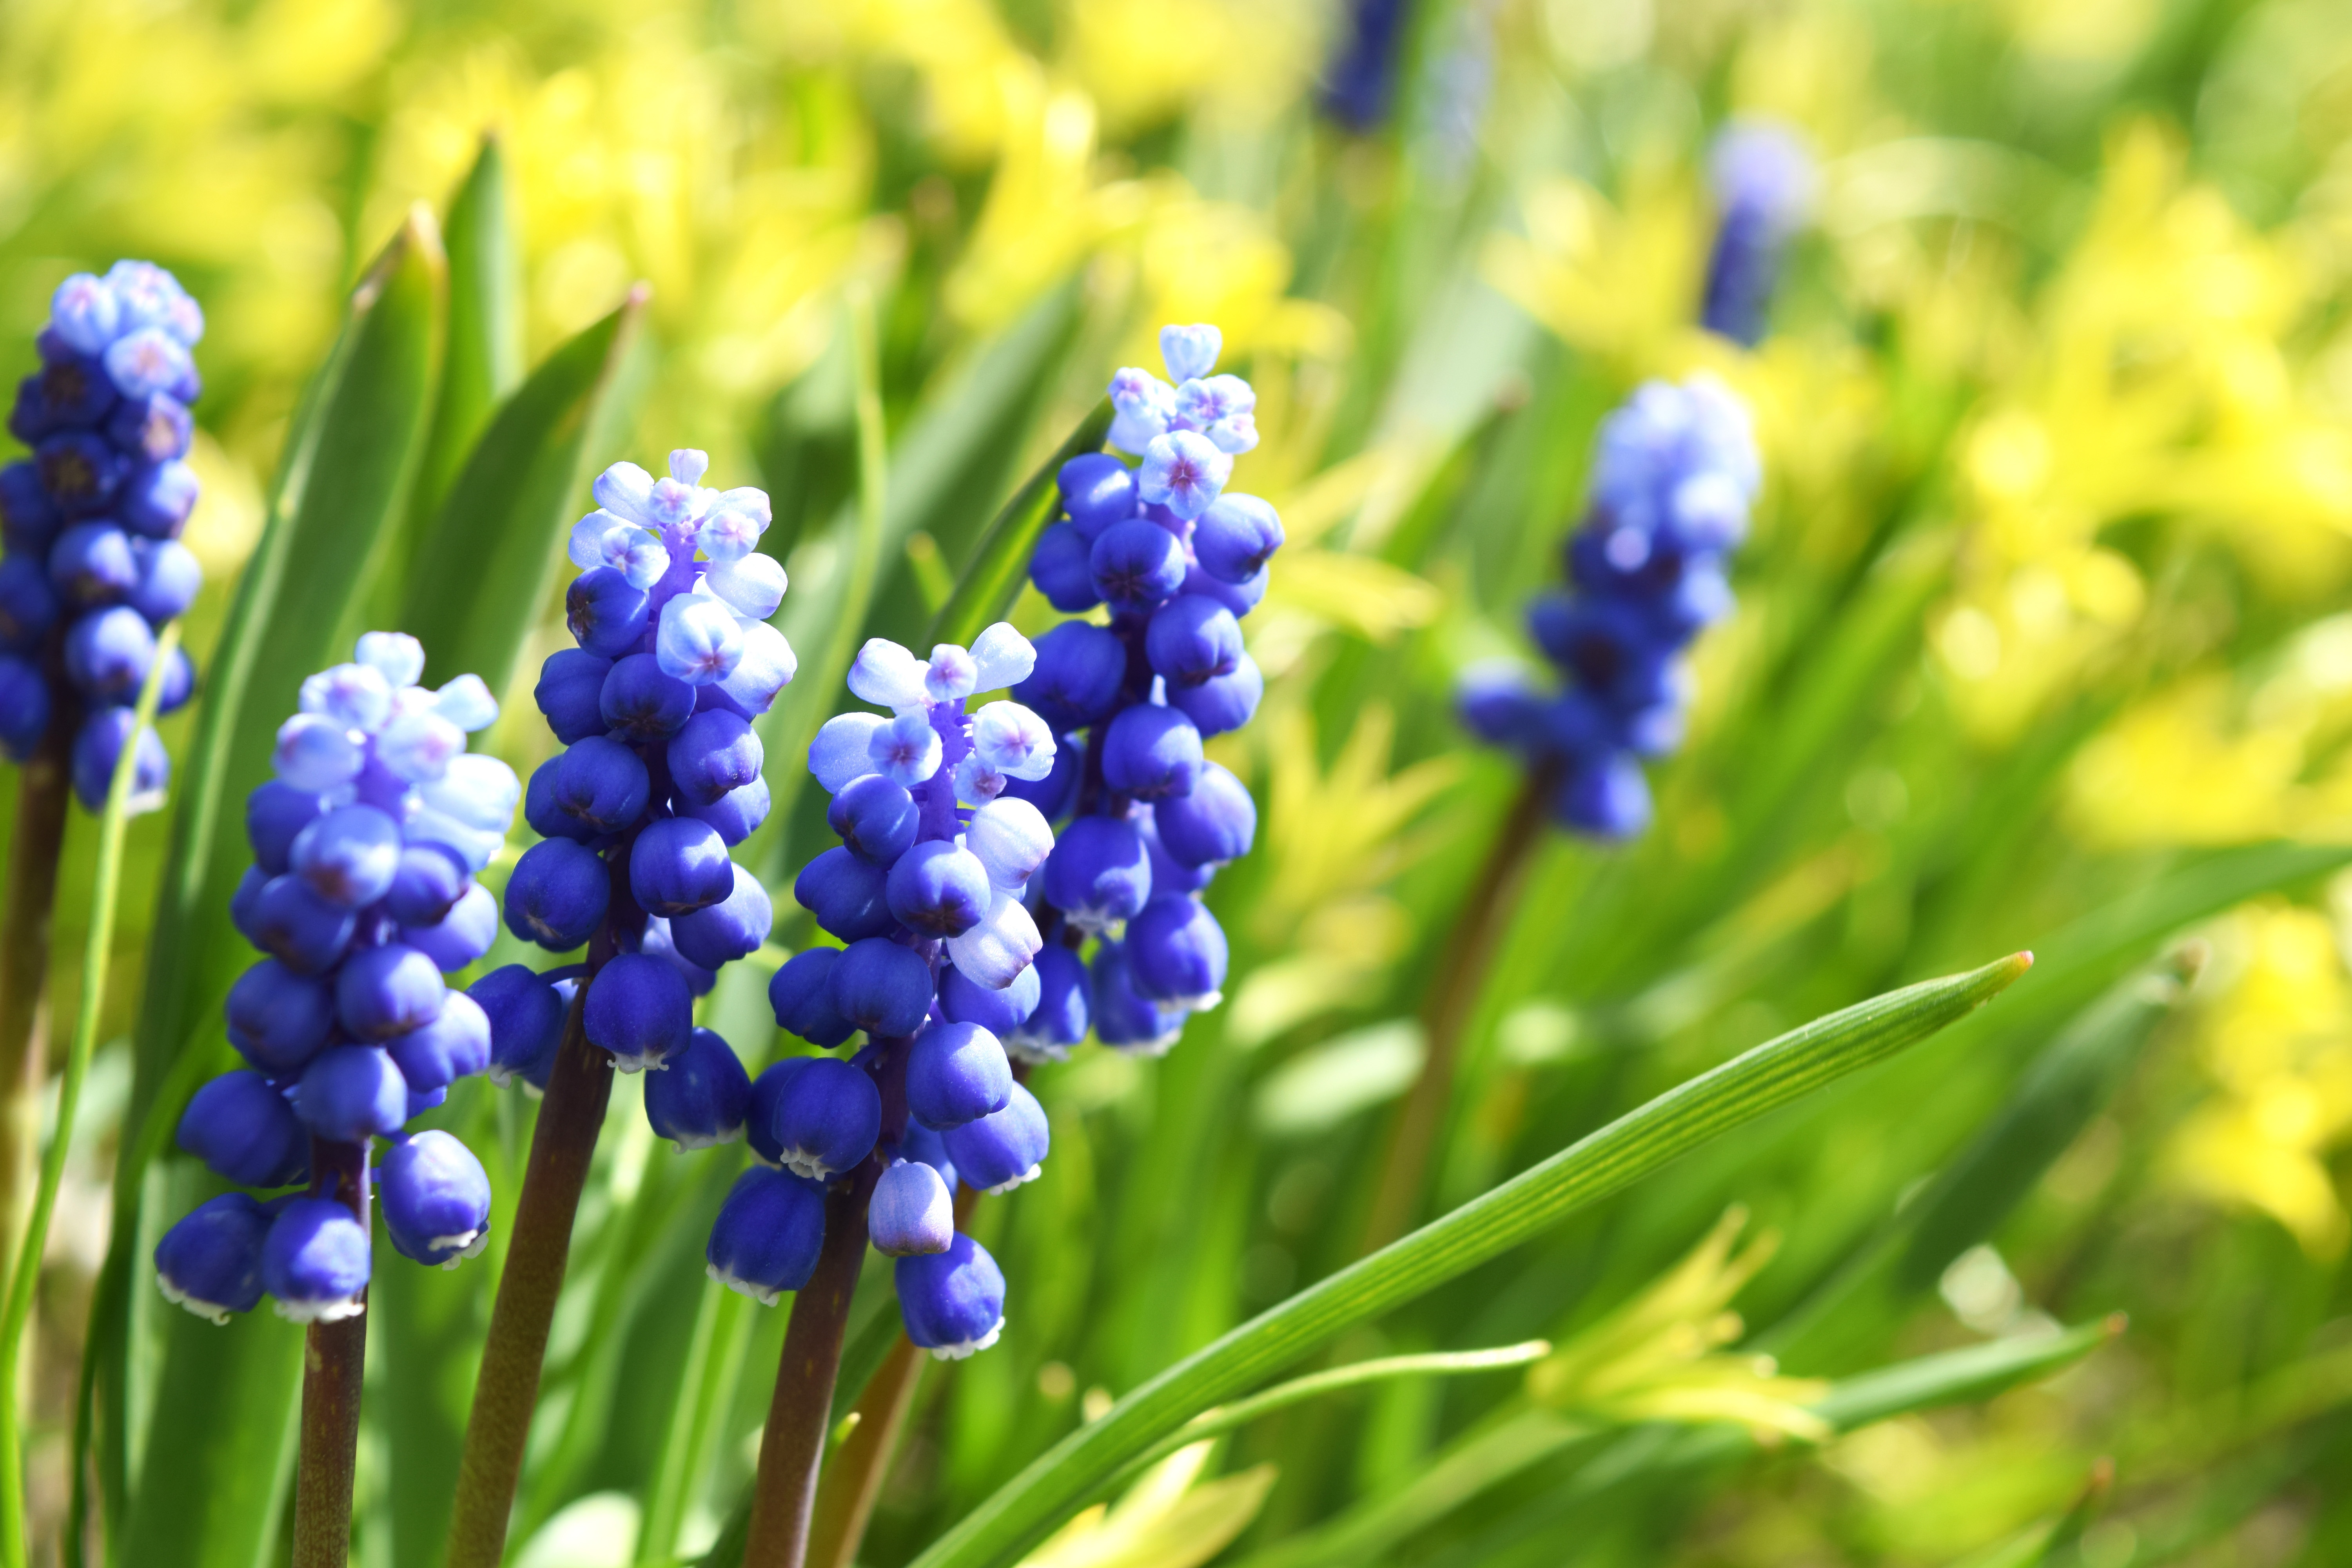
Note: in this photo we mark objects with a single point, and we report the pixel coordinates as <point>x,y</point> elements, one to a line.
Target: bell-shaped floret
<point>641,701</point>
<point>1059,1018</point>
<point>599,786</point>
<point>1078,677</point>
<point>679,865</point>
<point>963,1000</point>
<point>355,696</point>
<point>881,987</point>
<point>765,667</point>
<point>956,1073</point>
<point>737,815</point>
<point>460,937</point>
<point>436,1199</point>
<point>1191,638</point>
<point>849,896</point>
<point>1011,840</point>
<point>526,1019</point>
<point>557,894</point>
<point>1236,538</point>
<point>768,1234</point>
<point>315,1260</point>
<point>314,754</point>
<point>1191,353</point>
<point>1062,567</point>
<point>570,693</point>
<point>1150,751</point>
<point>279,1018</point>
<point>827,1117</point>
<point>349,856</point>
<point>877,820</point>
<point>350,1093</point>
<point>843,749</point>
<point>801,994</point>
<point>1176,952</point>
<point>606,612</point>
<point>455,1044</point>
<point>912,1214</point>
<point>210,1262</point>
<point>700,1097</point>
<point>998,1152</point>
<point>1099,873</point>
<point>384,991</point>
<point>657,941</point>
<point>1215,823</point>
<point>242,1127</point>
<point>1225,704</point>
<point>889,676</point>
<point>1010,739</point>
<point>995,952</point>
<point>1123,1017</point>
<point>1168,875</point>
<point>298,928</point>
<point>426,884</point>
<point>107,655</point>
<point>276,813</point>
<point>714,753</point>
<point>1000,656</point>
<point>639,1010</point>
<point>1605,795</point>
<point>735,927</point>
<point>1136,565</point>
<point>938,889</point>
<point>1097,490</point>
<point>952,1302</point>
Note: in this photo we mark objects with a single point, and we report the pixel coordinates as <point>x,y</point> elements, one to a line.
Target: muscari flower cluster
<point>1763,179</point>
<point>660,777</point>
<point>91,523</point>
<point>366,849</point>
<point>1178,561</point>
<point>927,892</point>
<point>1672,486</point>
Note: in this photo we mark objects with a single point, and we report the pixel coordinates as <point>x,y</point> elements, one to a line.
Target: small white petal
<point>396,656</point>
<point>949,676</point>
<point>977,783</point>
<point>1000,656</point>
<point>842,748</point>
<point>627,489</point>
<point>751,584</point>
<point>698,640</point>
<point>475,791</point>
<point>1011,839</point>
<point>466,702</point>
<point>419,746</point>
<point>994,953</point>
<point>316,753</point>
<point>688,466</point>
<point>889,675</point>
<point>767,667</point>
<point>1011,739</point>
<point>906,750</point>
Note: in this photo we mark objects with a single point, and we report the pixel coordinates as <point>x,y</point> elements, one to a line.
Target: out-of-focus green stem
<point>96,949</point>
<point>1453,997</point>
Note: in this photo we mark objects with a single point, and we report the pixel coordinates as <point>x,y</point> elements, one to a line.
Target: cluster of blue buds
<point>659,779</point>
<point>1176,561</point>
<point>1764,185</point>
<point>928,891</point>
<point>1672,486</point>
<point>91,522</point>
<point>362,892</point>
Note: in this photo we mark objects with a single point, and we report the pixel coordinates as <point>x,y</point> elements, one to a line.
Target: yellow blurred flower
<point>1167,1519</point>
<point>1618,284</point>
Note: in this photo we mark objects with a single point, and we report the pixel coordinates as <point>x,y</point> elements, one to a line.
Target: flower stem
<point>334,1365</point>
<point>1460,976</point>
<point>784,1493</point>
<point>43,790</point>
<point>507,1388</point>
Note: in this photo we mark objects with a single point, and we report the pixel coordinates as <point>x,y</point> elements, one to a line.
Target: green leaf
<point>333,520</point>
<point>491,555</point>
<point>992,579</point>
<point>1607,1160</point>
<point>485,355</point>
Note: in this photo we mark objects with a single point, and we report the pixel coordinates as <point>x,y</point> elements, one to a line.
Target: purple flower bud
<point>956,1073</point>
<point>639,1010</point>
<point>1011,840</point>
<point>1123,1017</point>
<point>85,313</point>
<point>1168,875</point>
<point>92,564</point>
<point>1191,640</point>
<point>298,928</point>
<point>826,1119</point>
<point>108,653</point>
<point>963,1000</point>
<point>600,785</point>
<point>952,1302</point>
<point>938,889</point>
<point>155,427</point>
<point>1099,873</point>
<point>768,1234</point>
<point>1137,565</point>
<point>24,707</point>
<point>427,883</point>
<point>700,1097</point>
<point>1176,952</point>
<point>998,1152</point>
<point>557,894</point>
<point>315,754</point>
<point>381,992</point>
<point>350,1093</point>
<point>436,1199</point>
<point>1241,598</point>
<point>242,1127</point>
<point>876,818</point>
<point>1215,823</point>
<point>1058,1019</point>
<point>677,865</point>
<point>349,856</point>
<point>1605,795</point>
<point>849,896</point>
<point>1145,405</point>
<point>570,693</point>
<point>1191,353</point>
<point>714,753</point>
<point>149,361</point>
<point>1183,471</point>
<point>912,1213</point>
<point>80,472</point>
<point>97,746</point>
<point>658,941</point>
<point>843,749</point>
<point>526,1019</point>
<point>607,616</point>
<point>455,1044</point>
<point>737,815</point>
<point>1005,942</point>
<point>733,928</point>
<point>1152,752</point>
<point>1097,490</point>
<point>169,579</point>
<point>760,1119</point>
<point>766,667</point>
<point>1080,670</point>
<point>155,500</point>
<point>698,640</point>
<point>640,702</point>
<point>210,1262</point>
<point>881,987</point>
<point>278,1018</point>
<point>1237,537</point>
<point>751,585</point>
<point>1062,566</point>
<point>1225,704</point>
<point>29,606</point>
<point>28,518</point>
<point>315,1260</point>
<point>800,993</point>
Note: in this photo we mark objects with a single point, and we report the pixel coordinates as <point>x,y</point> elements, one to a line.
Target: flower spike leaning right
<point>962,914</point>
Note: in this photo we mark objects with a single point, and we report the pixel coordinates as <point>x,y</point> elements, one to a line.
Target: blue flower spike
<point>93,566</point>
<point>362,892</point>
<point>1675,477</point>
<point>1765,184</point>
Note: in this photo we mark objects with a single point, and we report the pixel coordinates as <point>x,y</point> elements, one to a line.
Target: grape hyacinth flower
<point>363,893</point>
<point>660,778</point>
<point>91,522</point>
<point>1764,183</point>
<point>927,893</point>
<point>1150,819</point>
<point>1676,475</point>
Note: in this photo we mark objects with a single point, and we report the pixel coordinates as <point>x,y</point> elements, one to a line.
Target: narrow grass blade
<point>485,566</point>
<point>1771,1074</point>
<point>992,579</point>
<point>485,358</point>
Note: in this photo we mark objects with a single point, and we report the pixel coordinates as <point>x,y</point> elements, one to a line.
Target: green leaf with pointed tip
<point>491,555</point>
<point>991,580</point>
<point>1619,1154</point>
<point>224,1397</point>
<point>484,361</point>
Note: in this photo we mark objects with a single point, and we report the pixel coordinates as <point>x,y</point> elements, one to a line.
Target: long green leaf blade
<point>992,579</point>
<point>486,563</point>
<point>485,358</point>
<point>1769,1076</point>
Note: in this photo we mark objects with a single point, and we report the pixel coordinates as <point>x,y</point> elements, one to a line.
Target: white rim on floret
<point>1035,1050</point>
<point>638,1063</point>
<point>211,1311</point>
<point>468,1244</point>
<point>1031,1175</point>
<point>802,1162</point>
<point>963,1348</point>
<point>760,1293</point>
<point>685,1140</point>
<point>333,1311</point>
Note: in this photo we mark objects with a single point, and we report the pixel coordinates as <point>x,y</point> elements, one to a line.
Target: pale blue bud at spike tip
<point>92,569</point>
<point>952,1302</point>
<point>912,1214</point>
<point>1764,182</point>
